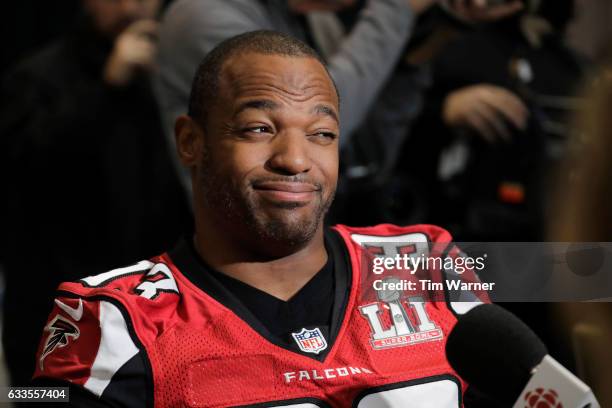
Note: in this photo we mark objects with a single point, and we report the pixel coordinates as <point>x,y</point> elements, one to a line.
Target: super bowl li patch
<point>310,341</point>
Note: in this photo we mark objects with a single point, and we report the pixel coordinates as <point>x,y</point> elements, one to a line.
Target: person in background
<point>496,121</point>
<point>87,177</point>
<point>361,55</point>
<point>374,188</point>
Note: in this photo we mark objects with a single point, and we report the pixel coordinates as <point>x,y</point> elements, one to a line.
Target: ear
<point>189,138</point>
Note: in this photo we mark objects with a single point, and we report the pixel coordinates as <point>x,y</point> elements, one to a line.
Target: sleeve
<point>367,56</point>
<point>90,344</point>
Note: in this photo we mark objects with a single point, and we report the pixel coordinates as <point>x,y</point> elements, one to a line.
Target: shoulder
<point>419,232</point>
<point>143,279</point>
<point>388,240</point>
<point>144,291</point>
<point>123,309</point>
<point>436,258</point>
<point>138,279</point>
<point>100,327</point>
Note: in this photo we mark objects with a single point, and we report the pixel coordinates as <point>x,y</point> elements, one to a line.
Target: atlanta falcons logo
<point>59,330</point>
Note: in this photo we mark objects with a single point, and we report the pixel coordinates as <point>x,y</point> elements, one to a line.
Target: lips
<point>287,191</point>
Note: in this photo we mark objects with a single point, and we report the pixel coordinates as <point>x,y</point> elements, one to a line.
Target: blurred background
<point>488,118</point>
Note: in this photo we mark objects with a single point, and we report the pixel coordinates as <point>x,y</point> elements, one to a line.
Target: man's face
<point>111,17</point>
<point>270,153</point>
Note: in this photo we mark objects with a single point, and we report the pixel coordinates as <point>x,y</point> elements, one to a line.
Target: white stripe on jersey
<point>462,308</point>
<point>116,348</point>
<point>308,405</point>
<point>96,280</point>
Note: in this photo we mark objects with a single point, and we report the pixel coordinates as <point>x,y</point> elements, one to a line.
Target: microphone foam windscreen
<point>494,351</point>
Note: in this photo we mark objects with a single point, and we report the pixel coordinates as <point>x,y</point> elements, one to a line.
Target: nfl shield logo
<point>310,341</point>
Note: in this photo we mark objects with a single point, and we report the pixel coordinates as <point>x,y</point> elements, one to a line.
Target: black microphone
<point>502,357</point>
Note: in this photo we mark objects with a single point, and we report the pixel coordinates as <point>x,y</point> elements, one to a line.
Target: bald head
<point>207,81</point>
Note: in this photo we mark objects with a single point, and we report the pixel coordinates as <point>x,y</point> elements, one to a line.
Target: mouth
<point>287,192</point>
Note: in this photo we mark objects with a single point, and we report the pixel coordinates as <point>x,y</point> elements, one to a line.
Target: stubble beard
<point>238,206</point>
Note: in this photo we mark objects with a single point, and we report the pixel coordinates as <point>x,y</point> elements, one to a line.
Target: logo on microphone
<point>541,398</point>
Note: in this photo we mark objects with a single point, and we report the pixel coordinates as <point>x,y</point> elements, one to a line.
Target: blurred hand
<point>486,109</point>
<point>479,10</point>
<point>134,50</point>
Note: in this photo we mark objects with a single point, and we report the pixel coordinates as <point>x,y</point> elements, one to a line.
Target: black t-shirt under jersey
<point>310,307</point>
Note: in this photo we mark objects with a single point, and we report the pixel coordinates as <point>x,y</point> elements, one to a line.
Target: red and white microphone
<point>552,385</point>
<point>499,355</point>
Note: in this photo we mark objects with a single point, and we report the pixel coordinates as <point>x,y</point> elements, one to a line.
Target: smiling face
<point>267,164</point>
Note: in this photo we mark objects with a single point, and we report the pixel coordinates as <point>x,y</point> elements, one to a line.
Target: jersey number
<point>443,391</point>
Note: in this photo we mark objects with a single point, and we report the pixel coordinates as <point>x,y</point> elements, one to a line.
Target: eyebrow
<point>326,110</point>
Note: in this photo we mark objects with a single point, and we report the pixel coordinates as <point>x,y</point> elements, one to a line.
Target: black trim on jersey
<point>191,265</point>
<point>404,384</point>
<point>447,299</point>
<point>148,370</point>
<point>445,277</point>
<point>127,384</point>
<point>343,275</point>
<point>158,292</point>
<point>125,394</point>
<point>79,397</point>
<point>315,401</point>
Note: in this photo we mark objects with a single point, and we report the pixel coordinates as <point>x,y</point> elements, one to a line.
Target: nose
<point>290,154</point>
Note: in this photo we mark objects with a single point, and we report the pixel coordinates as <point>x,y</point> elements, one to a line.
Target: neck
<point>281,275</point>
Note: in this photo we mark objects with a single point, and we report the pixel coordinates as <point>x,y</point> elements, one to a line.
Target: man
<point>361,58</point>
<point>89,183</point>
<point>264,305</point>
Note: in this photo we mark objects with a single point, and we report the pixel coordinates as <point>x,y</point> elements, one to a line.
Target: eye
<point>257,130</point>
<point>325,136</point>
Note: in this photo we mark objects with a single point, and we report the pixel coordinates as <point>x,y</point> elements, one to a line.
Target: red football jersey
<point>162,333</point>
